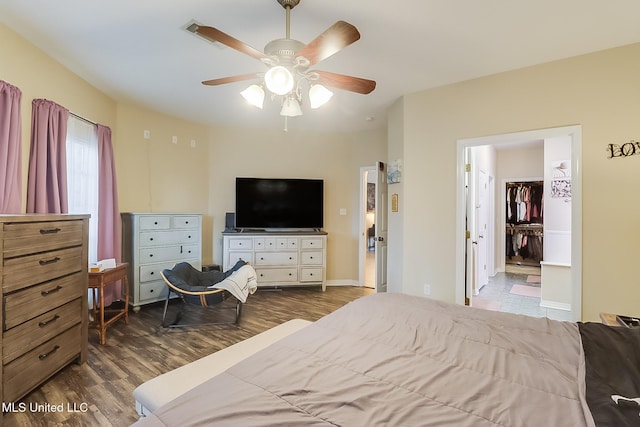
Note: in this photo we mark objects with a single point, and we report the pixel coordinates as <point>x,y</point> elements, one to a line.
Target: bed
<point>399,360</point>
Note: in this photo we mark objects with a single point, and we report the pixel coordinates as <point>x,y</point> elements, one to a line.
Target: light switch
<point>343,211</point>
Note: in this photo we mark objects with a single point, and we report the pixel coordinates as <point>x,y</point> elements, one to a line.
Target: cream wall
<point>599,91</point>
<point>395,243</point>
<point>336,158</point>
<point>156,175</point>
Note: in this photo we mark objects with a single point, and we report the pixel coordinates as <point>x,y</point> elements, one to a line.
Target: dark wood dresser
<point>43,277</point>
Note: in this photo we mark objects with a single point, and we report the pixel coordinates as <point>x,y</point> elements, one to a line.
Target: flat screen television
<point>279,203</point>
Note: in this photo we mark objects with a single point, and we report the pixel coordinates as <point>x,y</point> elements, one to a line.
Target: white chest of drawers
<point>43,278</point>
<point>152,242</point>
<point>280,259</point>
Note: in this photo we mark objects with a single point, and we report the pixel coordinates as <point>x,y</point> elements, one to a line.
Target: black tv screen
<point>278,203</point>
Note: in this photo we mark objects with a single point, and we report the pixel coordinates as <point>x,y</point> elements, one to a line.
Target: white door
<point>381,230</point>
<point>469,229</point>
<point>482,231</point>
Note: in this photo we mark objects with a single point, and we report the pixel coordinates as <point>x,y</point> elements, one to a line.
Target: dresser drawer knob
<point>45,355</point>
<point>46,322</point>
<point>49,230</point>
<point>49,261</point>
<point>51,291</point>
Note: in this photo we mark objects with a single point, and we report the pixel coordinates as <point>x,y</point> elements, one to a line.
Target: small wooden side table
<point>97,282</point>
<point>609,319</point>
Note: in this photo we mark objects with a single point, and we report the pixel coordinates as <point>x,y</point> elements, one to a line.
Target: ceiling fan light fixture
<point>279,80</point>
<point>318,96</point>
<point>254,95</point>
<point>290,107</point>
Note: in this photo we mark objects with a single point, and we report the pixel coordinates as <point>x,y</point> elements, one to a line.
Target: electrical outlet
<point>426,289</point>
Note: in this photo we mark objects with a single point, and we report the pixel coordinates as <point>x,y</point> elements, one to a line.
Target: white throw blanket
<point>241,283</point>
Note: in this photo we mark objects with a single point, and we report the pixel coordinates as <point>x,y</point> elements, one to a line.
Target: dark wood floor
<point>101,389</point>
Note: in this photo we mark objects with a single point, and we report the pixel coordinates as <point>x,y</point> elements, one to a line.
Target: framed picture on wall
<point>394,171</point>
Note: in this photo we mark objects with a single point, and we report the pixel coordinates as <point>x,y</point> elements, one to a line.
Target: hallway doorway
<point>514,285</point>
<point>373,227</point>
<point>368,221</point>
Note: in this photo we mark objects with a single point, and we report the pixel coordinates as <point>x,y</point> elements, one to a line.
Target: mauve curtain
<point>109,225</point>
<point>47,181</point>
<point>10,150</point>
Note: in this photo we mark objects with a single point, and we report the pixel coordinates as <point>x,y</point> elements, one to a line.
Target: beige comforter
<point>399,360</point>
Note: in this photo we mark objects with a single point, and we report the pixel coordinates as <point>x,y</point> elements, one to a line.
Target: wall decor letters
<point>627,149</point>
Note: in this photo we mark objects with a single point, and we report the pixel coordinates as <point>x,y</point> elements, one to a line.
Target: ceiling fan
<point>289,62</point>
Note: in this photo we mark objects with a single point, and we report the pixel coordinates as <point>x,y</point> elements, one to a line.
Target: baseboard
<point>343,282</point>
<point>555,305</point>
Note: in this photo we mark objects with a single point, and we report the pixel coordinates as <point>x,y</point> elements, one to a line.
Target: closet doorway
<point>524,226</point>
<point>571,137</point>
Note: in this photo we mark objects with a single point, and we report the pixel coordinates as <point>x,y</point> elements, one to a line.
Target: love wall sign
<point>628,149</point>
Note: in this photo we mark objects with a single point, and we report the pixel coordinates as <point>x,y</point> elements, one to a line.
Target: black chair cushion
<point>184,276</point>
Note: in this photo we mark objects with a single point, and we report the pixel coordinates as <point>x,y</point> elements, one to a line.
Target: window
<point>82,175</point>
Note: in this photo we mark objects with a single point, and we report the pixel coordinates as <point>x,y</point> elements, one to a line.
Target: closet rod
<point>83,119</point>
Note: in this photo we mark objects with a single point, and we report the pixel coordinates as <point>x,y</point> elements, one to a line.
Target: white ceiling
<point>137,51</point>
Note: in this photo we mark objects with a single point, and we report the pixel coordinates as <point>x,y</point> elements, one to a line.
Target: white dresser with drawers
<point>280,259</point>
<point>152,242</point>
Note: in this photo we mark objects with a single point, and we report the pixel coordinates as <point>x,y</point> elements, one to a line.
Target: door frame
<point>382,227</point>
<point>575,133</point>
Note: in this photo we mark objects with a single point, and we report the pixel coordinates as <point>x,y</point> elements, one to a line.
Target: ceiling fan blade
<point>216,35</point>
<point>332,40</point>
<point>232,79</point>
<point>350,83</point>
